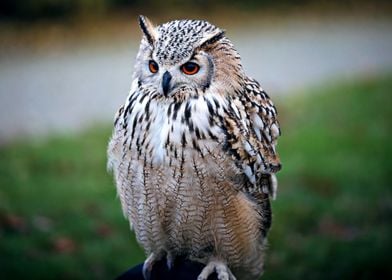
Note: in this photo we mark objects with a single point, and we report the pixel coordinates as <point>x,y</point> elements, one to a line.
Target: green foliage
<point>60,218</point>
<point>59,215</point>
<point>331,215</point>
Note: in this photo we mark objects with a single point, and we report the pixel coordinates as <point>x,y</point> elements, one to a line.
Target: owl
<point>193,152</point>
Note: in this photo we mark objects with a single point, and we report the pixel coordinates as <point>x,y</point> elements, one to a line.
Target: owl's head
<point>187,57</point>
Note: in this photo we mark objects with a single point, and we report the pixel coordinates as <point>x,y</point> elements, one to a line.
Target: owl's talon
<point>148,264</point>
<point>147,267</point>
<point>221,269</point>
<point>169,261</point>
<point>147,271</point>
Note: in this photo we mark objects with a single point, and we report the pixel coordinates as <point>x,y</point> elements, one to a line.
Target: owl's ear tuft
<point>148,29</point>
<point>211,38</point>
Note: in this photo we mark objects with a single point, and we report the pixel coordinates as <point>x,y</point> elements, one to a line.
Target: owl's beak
<point>166,82</point>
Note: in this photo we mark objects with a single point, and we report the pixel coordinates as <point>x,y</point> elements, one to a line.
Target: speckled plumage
<point>194,167</point>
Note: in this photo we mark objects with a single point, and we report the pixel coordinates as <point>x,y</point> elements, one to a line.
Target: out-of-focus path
<point>76,87</point>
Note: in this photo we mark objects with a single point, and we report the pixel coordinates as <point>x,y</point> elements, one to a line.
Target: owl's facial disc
<point>191,75</point>
<point>195,74</point>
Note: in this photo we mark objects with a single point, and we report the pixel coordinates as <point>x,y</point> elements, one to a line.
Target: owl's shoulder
<point>252,127</point>
<point>260,132</point>
<point>261,111</point>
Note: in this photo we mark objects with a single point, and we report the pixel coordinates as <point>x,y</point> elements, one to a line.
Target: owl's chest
<point>176,151</point>
<point>180,181</point>
<point>162,133</point>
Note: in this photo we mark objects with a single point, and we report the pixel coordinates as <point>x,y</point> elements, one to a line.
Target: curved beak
<point>166,82</point>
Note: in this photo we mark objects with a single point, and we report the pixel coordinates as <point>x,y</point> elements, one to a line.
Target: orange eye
<point>190,68</point>
<point>153,66</point>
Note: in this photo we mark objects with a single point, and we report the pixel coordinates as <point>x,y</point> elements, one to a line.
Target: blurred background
<point>66,66</point>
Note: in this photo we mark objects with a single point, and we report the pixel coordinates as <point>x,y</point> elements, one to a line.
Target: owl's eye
<point>190,68</point>
<point>153,66</point>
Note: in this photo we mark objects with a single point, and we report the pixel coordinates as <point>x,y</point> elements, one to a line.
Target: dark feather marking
<point>143,26</point>
<point>196,147</point>
<point>183,140</point>
<point>120,111</point>
<point>138,147</point>
<point>129,108</point>
<point>148,126</point>
<point>212,40</point>
<point>167,140</point>
<point>143,96</point>
<point>177,106</point>
<point>197,131</point>
<point>216,103</point>
<point>190,126</point>
<point>147,110</point>
<point>141,118</point>
<point>134,125</point>
<point>209,105</point>
<point>209,74</point>
<point>169,110</point>
<point>212,136</point>
<point>211,121</point>
<point>187,113</point>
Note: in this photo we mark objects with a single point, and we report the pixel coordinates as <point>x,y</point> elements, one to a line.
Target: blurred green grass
<point>60,218</point>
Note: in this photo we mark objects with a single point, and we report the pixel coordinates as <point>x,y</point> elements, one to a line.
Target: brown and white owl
<point>193,152</point>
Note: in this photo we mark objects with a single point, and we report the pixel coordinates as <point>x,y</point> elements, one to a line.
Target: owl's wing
<point>264,132</point>
<point>263,122</point>
<point>260,159</point>
<point>253,121</point>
